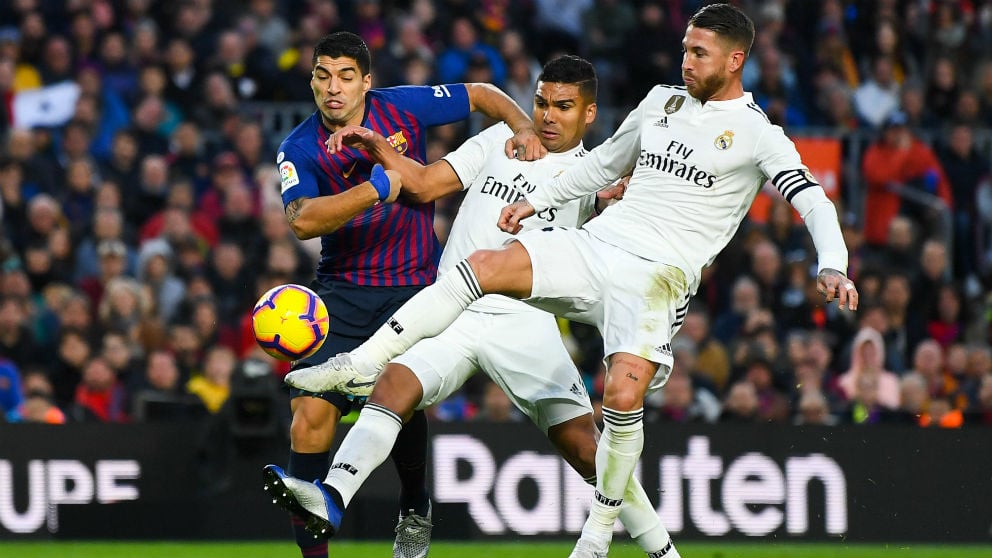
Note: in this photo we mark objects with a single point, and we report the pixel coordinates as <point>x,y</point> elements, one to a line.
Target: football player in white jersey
<point>698,156</point>
<point>517,345</point>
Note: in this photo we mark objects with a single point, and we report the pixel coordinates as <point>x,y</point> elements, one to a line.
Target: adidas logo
<point>662,123</point>
<point>577,390</point>
<point>665,349</point>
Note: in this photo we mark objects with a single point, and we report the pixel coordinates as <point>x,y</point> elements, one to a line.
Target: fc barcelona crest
<point>398,142</point>
<point>674,103</point>
<point>724,140</point>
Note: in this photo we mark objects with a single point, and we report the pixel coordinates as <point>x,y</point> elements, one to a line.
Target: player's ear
<point>366,82</point>
<point>590,113</point>
<point>736,61</point>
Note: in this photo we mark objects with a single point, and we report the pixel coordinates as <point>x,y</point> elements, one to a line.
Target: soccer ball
<point>290,322</point>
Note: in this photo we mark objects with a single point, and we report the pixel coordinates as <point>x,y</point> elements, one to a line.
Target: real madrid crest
<point>674,103</point>
<point>724,140</point>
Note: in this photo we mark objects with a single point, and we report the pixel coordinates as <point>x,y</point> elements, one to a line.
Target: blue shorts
<point>356,312</point>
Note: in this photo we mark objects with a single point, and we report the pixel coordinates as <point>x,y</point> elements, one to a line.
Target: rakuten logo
<point>62,481</point>
<point>757,495</point>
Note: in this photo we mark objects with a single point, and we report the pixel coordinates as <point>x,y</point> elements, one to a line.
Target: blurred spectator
<point>942,413</point>
<point>122,167</point>
<point>606,26</point>
<point>813,408</point>
<point>17,340</point>
<point>946,323</point>
<point>161,396</point>
<point>741,403</point>
<point>912,102</point>
<point>928,362</point>
<point>214,386</point>
<point>149,194</point>
<point>681,402</point>
<point>107,224</point>
<point>878,96</point>
<point>183,75</point>
<point>966,169</point>
<point>866,362</point>
<point>712,361</point>
<point>113,257</point>
<point>496,406</point>
<point>650,53</point>
<point>11,395</point>
<point>981,413</point>
<point>155,262</point>
<point>745,299</point>
<point>943,88</point>
<point>453,63</point>
<point>896,165</point>
<point>100,397</point>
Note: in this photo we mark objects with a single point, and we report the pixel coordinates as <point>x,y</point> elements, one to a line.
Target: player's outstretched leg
<point>427,314</point>
<point>308,501</point>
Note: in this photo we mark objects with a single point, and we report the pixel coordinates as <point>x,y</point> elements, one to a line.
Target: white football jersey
<point>494,181</point>
<point>696,170</point>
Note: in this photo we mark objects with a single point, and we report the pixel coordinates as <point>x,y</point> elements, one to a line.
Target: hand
<point>351,136</point>
<point>525,145</point>
<point>616,191</point>
<point>832,283</point>
<point>510,217</point>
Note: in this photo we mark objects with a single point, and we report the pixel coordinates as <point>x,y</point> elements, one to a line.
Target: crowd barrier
<point>491,481</point>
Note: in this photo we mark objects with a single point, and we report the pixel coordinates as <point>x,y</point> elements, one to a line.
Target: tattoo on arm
<point>294,208</point>
<point>632,376</point>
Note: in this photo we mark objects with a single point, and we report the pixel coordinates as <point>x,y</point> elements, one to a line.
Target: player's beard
<point>704,89</point>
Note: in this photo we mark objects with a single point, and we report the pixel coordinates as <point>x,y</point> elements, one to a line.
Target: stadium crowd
<point>138,231</point>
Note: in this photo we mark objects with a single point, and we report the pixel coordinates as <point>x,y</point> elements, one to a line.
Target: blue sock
<point>308,466</point>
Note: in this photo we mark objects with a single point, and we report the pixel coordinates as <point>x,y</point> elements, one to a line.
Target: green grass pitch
<point>442,549</point>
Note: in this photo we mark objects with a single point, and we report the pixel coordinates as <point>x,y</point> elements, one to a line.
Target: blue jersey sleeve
<point>433,105</point>
<point>298,173</point>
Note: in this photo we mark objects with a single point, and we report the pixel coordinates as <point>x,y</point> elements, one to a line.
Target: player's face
<point>706,63</point>
<point>561,115</point>
<point>339,90</point>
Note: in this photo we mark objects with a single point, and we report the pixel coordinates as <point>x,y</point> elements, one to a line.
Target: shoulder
<point>301,136</point>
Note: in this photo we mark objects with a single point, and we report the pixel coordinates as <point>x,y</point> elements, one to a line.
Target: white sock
<point>366,446</point>
<point>643,524</point>
<point>619,449</point>
<point>641,521</point>
<point>427,314</point>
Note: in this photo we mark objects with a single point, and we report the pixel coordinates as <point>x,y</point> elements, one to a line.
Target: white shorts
<point>521,352</point>
<point>638,305</point>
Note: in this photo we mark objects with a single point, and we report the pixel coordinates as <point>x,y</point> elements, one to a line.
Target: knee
<point>398,389</point>
<point>485,264</point>
<point>623,400</point>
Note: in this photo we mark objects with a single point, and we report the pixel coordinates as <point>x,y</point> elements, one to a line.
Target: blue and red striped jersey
<point>390,244</point>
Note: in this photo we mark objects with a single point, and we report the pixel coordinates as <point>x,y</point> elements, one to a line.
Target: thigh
<point>524,355</point>
<point>444,363</point>
<point>568,273</point>
<point>644,305</point>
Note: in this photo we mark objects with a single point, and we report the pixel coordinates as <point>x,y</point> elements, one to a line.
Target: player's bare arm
<point>494,103</point>
<point>312,217</point>
<point>834,284</point>
<point>421,184</point>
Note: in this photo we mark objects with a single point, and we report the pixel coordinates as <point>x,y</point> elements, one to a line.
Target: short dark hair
<point>569,68</point>
<point>343,43</point>
<point>727,21</point>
